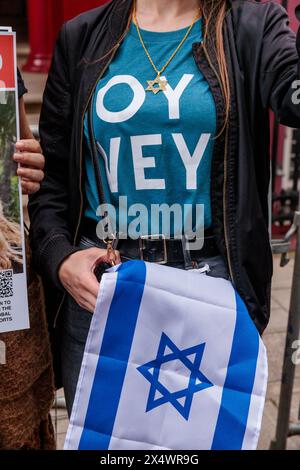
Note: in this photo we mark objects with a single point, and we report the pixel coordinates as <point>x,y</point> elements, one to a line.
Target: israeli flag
<point>172,361</point>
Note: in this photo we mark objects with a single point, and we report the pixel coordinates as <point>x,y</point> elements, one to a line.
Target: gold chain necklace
<point>160,83</point>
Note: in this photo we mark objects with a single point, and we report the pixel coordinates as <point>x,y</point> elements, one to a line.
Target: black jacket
<point>263,64</point>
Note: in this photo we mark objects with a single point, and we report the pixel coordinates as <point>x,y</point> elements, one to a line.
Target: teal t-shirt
<point>153,148</point>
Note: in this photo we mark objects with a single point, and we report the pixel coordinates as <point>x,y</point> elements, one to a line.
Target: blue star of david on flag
<point>159,394</point>
<point>123,400</point>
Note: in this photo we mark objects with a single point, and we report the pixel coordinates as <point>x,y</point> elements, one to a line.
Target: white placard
<point>13,284</point>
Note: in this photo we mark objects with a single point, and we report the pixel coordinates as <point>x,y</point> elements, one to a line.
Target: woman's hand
<point>29,155</point>
<point>77,276</point>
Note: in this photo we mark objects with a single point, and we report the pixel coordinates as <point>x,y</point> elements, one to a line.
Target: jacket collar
<point>119,16</point>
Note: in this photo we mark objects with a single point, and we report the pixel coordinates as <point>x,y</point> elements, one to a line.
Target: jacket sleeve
<point>48,209</point>
<point>280,67</point>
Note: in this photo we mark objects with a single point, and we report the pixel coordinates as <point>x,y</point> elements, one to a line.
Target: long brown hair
<point>214,12</point>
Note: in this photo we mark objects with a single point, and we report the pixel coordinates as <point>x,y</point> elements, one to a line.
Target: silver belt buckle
<point>154,238</point>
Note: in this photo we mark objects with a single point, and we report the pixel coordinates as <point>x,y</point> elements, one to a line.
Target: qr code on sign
<point>6,284</point>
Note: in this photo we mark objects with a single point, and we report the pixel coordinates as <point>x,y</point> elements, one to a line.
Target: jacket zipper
<point>95,158</point>
<point>80,173</point>
<point>226,230</point>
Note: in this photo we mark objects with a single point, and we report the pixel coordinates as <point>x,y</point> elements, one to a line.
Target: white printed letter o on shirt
<point>131,110</point>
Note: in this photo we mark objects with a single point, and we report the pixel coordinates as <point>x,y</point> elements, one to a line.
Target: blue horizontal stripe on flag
<point>113,358</point>
<point>234,410</point>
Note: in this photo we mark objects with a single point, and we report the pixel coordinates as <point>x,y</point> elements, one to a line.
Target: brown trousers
<point>26,381</point>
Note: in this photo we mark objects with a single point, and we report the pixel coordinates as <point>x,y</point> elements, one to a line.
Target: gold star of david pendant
<point>161,83</point>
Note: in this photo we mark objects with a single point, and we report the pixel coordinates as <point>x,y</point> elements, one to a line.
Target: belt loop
<point>186,254</point>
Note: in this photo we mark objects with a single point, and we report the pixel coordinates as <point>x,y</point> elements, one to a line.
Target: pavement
<point>274,339</point>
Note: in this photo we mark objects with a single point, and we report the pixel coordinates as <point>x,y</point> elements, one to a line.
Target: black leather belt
<point>157,249</point>
<point>162,251</point>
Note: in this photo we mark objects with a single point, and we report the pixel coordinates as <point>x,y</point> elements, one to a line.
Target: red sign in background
<point>7,70</point>
<point>45,18</point>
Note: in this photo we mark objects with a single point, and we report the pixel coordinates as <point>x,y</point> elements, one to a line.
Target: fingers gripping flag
<point>172,361</point>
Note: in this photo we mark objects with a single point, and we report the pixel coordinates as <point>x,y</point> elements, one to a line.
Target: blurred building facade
<point>37,22</point>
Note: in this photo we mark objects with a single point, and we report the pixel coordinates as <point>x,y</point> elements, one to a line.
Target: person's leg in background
<point>75,329</point>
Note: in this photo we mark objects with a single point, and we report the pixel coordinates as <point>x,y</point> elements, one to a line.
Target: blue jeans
<point>76,323</point>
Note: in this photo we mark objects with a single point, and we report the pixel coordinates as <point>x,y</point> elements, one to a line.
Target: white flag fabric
<point>172,361</point>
